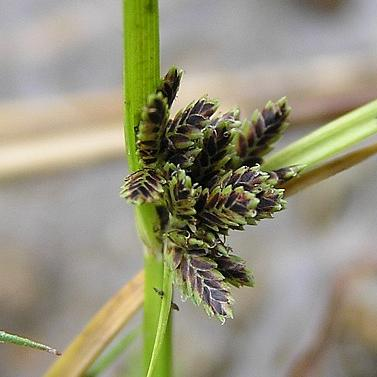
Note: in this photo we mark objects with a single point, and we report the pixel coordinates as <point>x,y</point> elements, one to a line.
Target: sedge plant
<point>199,174</point>
<point>195,176</point>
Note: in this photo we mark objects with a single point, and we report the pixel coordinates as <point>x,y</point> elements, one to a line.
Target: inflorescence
<point>203,172</point>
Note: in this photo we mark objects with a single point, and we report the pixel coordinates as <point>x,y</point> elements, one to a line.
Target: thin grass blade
<point>328,140</point>
<point>113,354</point>
<point>101,330</point>
<point>329,169</point>
<point>163,320</point>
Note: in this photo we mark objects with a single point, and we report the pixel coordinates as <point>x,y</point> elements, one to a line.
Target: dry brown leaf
<point>100,331</point>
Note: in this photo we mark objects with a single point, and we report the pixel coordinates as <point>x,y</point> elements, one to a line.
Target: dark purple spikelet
<point>256,137</point>
<point>271,200</point>
<point>180,194</point>
<point>238,198</point>
<point>170,84</point>
<point>154,118</point>
<point>143,186</point>
<point>234,270</point>
<point>283,175</point>
<point>200,280</point>
<point>217,148</point>
<point>184,134</point>
<point>203,173</point>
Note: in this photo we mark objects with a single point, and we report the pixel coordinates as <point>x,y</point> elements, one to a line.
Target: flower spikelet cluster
<point>203,172</point>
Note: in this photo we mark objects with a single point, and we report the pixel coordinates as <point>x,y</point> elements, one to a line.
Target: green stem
<point>141,77</point>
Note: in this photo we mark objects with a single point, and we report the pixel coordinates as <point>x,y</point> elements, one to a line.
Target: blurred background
<point>68,242</point>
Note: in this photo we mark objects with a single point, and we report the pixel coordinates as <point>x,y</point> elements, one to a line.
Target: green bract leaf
<point>329,169</point>
<point>328,140</point>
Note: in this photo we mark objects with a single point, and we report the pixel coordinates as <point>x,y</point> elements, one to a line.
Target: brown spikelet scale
<point>202,171</point>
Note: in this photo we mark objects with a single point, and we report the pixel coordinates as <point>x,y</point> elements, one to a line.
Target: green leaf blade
<point>328,140</point>
<point>329,169</point>
<point>106,360</point>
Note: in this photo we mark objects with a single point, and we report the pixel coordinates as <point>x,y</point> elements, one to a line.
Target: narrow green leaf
<point>328,140</point>
<point>110,356</point>
<point>100,330</point>
<point>20,341</point>
<point>167,289</point>
<point>329,169</point>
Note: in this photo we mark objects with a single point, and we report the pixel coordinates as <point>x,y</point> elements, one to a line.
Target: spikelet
<point>199,279</point>
<point>234,270</point>
<point>217,148</point>
<point>239,198</point>
<point>152,127</point>
<point>143,186</point>
<point>285,174</point>
<point>180,194</point>
<point>184,134</point>
<point>170,84</point>
<point>256,137</point>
